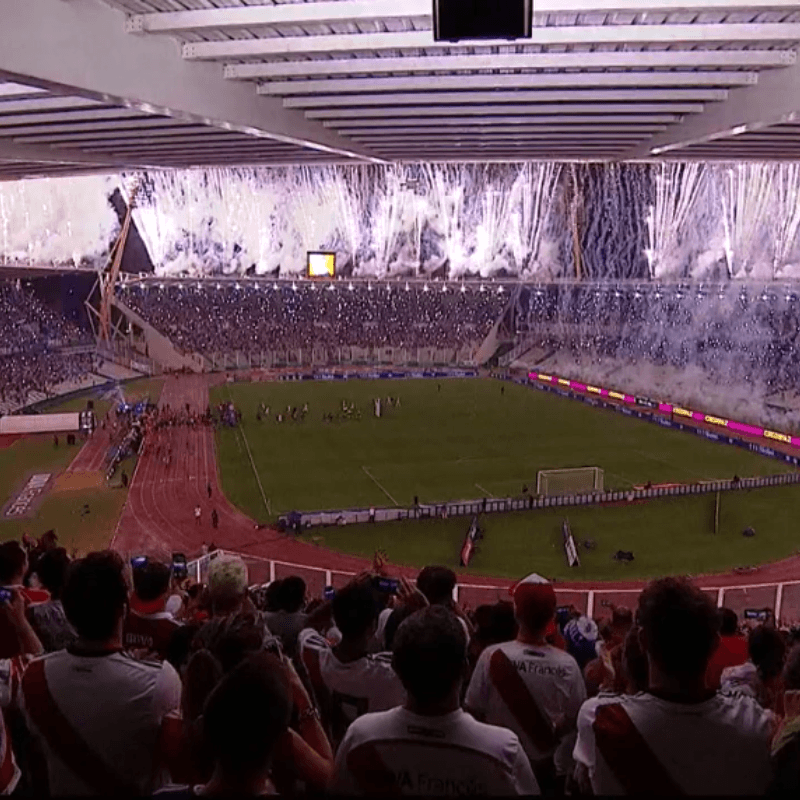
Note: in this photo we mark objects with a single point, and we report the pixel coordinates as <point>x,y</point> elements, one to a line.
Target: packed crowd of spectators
<point>121,679</point>
<point>31,336</point>
<point>209,318</point>
<point>738,335</point>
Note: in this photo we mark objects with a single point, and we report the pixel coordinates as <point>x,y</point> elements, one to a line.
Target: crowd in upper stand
<point>206,319</point>
<point>30,335</point>
<point>743,335</point>
<point>125,680</point>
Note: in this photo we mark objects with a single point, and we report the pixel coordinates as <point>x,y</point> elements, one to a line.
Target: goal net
<point>580,480</point>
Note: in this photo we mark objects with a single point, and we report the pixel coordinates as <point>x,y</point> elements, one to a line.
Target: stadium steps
<point>117,372</point>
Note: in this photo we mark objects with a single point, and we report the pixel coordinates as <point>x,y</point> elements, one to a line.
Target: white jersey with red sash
<point>99,718</point>
<point>642,744</point>
<point>528,689</point>
<point>399,753</point>
<point>346,691</point>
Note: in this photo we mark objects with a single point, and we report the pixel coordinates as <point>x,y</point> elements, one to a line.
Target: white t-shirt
<point>553,681</point>
<point>449,755</point>
<point>116,704</point>
<point>365,685</point>
<point>719,746</point>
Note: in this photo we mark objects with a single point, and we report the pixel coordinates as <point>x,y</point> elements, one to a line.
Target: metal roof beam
<point>9,89</point>
<point>462,123</point>
<point>747,33</point>
<point>109,128</point>
<point>45,104</point>
<point>540,79</point>
<point>506,136</point>
<point>108,114</point>
<point>357,133</point>
<point>487,110</point>
<point>11,151</point>
<point>775,99</point>
<point>178,135</point>
<point>81,46</point>
<point>362,10</point>
<point>599,60</point>
<point>433,98</point>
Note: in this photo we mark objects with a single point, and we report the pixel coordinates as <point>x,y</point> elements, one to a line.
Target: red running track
<point>158,517</point>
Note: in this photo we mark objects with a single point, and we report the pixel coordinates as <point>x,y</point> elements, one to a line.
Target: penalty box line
<point>379,485</point>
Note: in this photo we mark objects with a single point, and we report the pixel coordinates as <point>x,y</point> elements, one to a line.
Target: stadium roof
<point>88,85</point>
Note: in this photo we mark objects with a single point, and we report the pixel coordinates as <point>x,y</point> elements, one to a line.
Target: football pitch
<point>465,439</point>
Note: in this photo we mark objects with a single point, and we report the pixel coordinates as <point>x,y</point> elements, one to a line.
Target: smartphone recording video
<point>179,566</point>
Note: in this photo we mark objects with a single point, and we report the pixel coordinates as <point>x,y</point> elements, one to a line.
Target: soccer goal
<point>579,480</point>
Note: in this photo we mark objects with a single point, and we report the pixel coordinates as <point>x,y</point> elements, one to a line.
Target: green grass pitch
<point>462,439</point>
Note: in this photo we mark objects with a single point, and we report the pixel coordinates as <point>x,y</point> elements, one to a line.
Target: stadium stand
<point>207,318</point>
<point>744,336</point>
<point>229,712</point>
<point>37,355</point>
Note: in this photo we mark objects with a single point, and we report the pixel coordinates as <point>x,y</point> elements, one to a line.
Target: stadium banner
<point>570,550</point>
<point>40,423</point>
<point>551,383</point>
<point>473,507</point>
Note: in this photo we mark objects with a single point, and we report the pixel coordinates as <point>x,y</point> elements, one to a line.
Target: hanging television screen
<point>321,265</point>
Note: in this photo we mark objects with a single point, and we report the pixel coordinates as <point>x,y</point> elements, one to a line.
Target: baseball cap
<point>533,589</point>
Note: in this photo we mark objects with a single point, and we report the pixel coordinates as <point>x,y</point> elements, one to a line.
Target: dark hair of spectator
<point>51,567</point>
<point>396,618</point>
<point>151,580</point>
<point>354,610</point>
<point>767,650</point>
<point>429,654</point>
<point>634,662</point>
<point>203,672</point>
<point>621,619</point>
<point>437,584</point>
<point>256,690</point>
<point>231,639</point>
<point>195,590</point>
<point>728,622</point>
<point>680,625</point>
<point>791,669</point>
<point>13,559</point>
<point>500,624</point>
<point>272,596</point>
<point>292,594</point>
<point>95,594</point>
<point>180,645</point>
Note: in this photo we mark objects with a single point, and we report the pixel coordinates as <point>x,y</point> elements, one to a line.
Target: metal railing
<point>781,598</point>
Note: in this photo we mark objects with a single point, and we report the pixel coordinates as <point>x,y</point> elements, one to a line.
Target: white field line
<point>485,491</point>
<point>379,485</point>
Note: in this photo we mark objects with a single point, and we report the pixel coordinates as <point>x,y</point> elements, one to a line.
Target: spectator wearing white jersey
<point>97,711</point>
<point>347,679</point>
<point>430,746</point>
<point>678,737</point>
<point>530,686</point>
